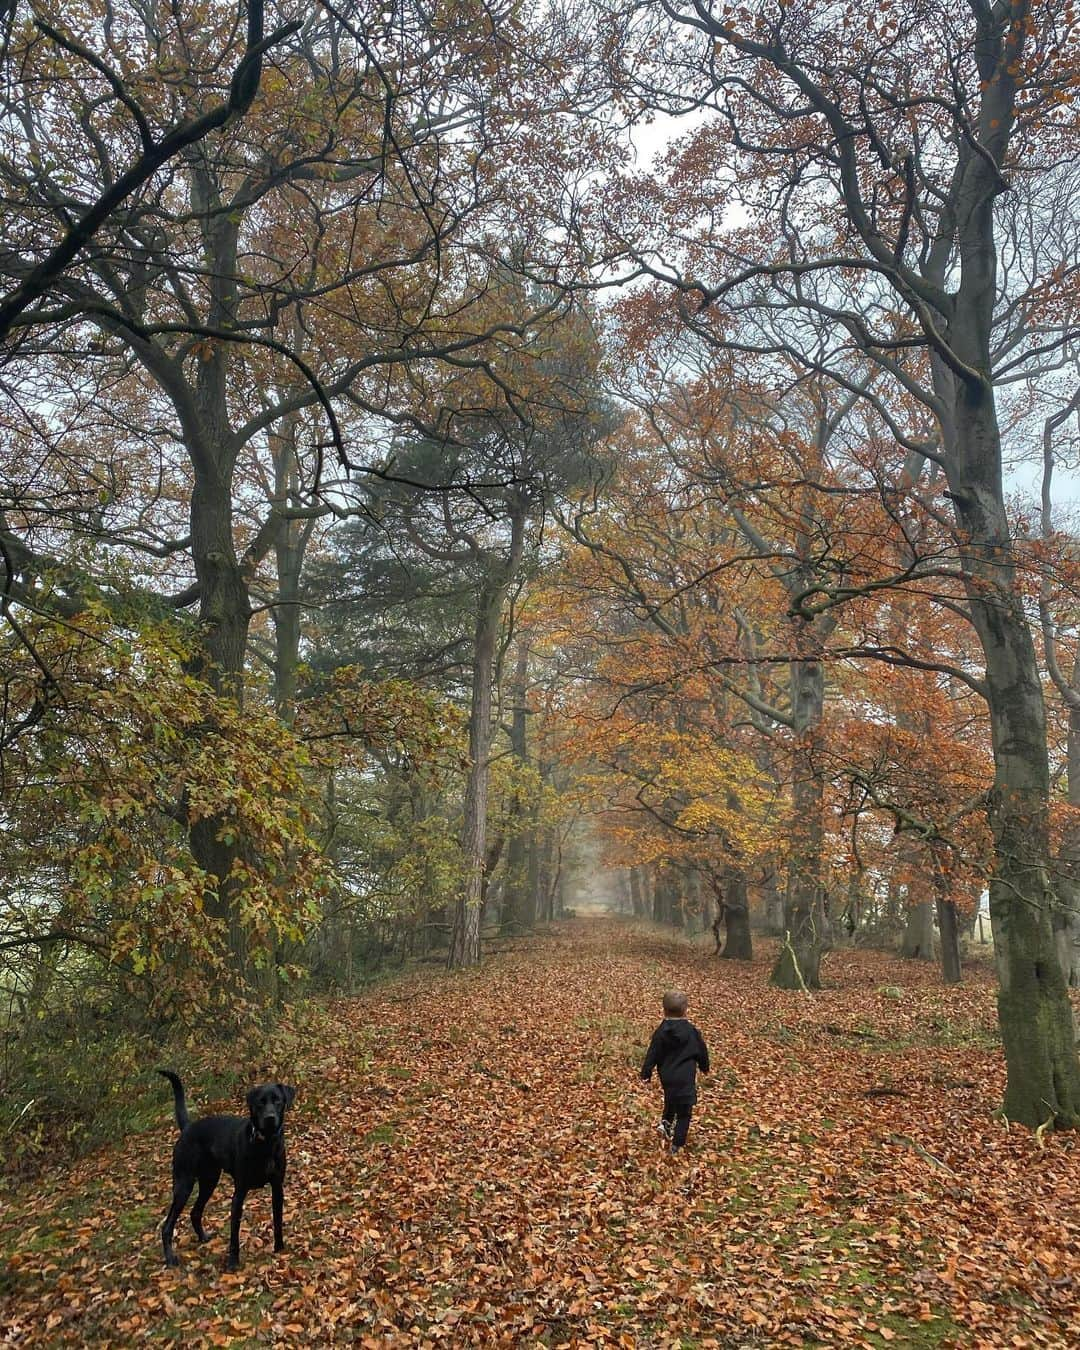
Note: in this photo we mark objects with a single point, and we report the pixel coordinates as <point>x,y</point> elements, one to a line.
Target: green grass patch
<point>919,1335</point>
<point>384,1133</point>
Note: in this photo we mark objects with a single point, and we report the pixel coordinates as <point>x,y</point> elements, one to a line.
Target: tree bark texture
<point>518,913</point>
<point>1033,1006</point>
<point>465,937</point>
<point>637,893</point>
<point>949,930</point>
<point>1066,921</point>
<point>774,903</point>
<point>738,943</point>
<point>917,943</point>
<point>806,934</point>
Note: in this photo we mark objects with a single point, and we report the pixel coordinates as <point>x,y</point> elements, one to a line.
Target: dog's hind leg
<point>277,1201</point>
<point>182,1188</point>
<point>207,1182</point>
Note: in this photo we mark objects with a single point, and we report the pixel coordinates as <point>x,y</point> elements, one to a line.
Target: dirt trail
<point>473,1163</point>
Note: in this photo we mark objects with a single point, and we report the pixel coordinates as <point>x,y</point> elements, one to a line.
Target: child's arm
<point>651,1056</point>
<point>703,1054</point>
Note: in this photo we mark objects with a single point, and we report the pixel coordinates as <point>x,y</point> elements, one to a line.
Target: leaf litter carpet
<point>473,1162</point>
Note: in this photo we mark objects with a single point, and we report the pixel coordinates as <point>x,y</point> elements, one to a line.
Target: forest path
<point>472,1161</point>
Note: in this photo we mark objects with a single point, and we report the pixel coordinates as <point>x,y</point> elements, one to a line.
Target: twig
<point>19,1117</point>
<point>922,1152</point>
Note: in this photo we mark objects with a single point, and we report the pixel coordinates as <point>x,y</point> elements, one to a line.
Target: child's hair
<point>675,1003</point>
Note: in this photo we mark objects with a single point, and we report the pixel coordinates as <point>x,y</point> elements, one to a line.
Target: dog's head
<point>268,1104</point>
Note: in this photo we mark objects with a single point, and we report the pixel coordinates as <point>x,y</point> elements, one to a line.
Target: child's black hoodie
<point>677,1051</point>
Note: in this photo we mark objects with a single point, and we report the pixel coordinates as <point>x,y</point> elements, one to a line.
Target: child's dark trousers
<point>678,1110</point>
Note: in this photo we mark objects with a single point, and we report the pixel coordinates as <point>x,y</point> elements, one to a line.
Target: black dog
<point>251,1149</point>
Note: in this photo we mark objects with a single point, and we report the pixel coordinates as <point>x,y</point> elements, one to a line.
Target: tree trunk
<point>534,883</point>
<point>851,920</point>
<point>517,913</point>
<point>290,545</point>
<point>218,659</point>
<point>1066,921</point>
<point>949,930</point>
<point>491,862</point>
<point>549,873</point>
<point>224,598</point>
<point>805,919</point>
<point>465,934</point>
<point>542,870</point>
<point>637,893</point>
<point>694,906</point>
<point>677,917</point>
<point>661,898</point>
<point>1033,1006</point>
<point>917,943</point>
<point>799,964</point>
<point>1043,1070</point>
<point>667,899</point>
<point>774,904</point>
<point>1067,928</point>
<point>738,943</point>
<point>895,911</point>
<point>559,901</point>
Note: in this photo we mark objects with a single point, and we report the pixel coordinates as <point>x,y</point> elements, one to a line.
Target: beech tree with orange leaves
<point>854,162</point>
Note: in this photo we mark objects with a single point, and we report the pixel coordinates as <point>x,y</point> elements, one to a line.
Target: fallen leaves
<point>473,1163</point>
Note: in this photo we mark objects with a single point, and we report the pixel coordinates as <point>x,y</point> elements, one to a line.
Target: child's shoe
<point>666,1128</point>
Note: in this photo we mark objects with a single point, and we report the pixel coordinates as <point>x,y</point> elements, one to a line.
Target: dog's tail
<point>178,1093</point>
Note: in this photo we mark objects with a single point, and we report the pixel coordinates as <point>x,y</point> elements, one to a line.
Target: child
<point>676,1051</point>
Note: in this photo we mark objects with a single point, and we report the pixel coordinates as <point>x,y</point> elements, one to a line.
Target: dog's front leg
<point>277,1201</point>
<point>234,1227</point>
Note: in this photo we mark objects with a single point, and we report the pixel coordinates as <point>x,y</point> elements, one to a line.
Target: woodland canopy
<point>462,458</point>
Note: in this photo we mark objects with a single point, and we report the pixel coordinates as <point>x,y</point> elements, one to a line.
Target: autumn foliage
<point>468,464</point>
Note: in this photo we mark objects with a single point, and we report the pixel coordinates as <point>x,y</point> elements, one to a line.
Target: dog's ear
<point>290,1093</point>
<point>250,1099</point>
